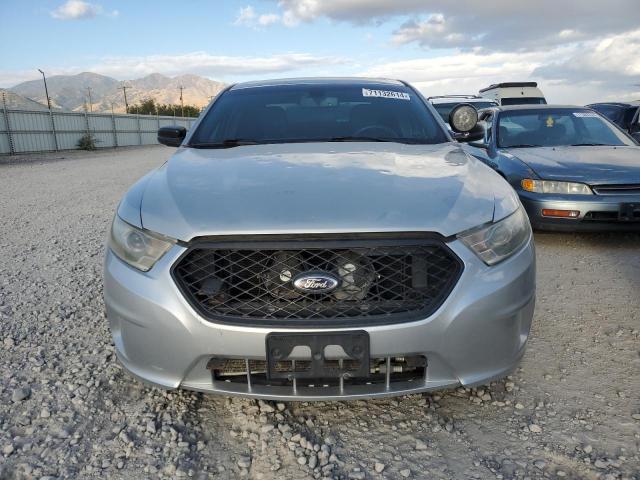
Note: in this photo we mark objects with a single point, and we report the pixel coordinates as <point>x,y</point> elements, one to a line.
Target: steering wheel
<point>371,130</point>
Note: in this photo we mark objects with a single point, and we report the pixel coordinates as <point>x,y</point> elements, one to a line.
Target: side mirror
<point>172,136</point>
<point>463,120</point>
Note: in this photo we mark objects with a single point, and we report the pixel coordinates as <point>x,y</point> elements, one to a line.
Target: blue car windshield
<point>318,113</point>
<point>556,127</point>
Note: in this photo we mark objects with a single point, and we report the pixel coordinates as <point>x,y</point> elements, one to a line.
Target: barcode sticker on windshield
<point>366,92</point>
<point>585,114</point>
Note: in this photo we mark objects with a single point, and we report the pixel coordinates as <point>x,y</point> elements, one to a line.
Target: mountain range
<point>71,92</point>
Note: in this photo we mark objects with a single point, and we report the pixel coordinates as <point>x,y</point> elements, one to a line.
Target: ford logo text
<point>315,282</point>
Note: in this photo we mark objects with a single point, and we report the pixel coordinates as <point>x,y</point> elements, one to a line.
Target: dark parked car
<point>572,169</point>
<point>625,115</point>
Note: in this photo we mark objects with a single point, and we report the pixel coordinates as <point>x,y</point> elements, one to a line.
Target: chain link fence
<point>26,131</point>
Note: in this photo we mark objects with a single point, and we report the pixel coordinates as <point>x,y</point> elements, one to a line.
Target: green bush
<point>87,142</point>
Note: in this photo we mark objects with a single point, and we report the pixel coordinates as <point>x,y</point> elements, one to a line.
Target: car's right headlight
<point>498,241</point>
<point>139,248</point>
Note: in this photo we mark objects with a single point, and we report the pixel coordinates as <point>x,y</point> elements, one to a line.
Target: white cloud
<point>76,10</point>
<point>247,17</point>
<point>613,59</point>
<point>202,63</point>
<point>268,19</point>
<point>489,24</point>
<point>577,74</point>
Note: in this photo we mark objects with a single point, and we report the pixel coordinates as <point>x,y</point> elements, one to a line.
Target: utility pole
<point>181,100</point>
<point>124,90</point>
<point>46,91</point>
<point>90,102</point>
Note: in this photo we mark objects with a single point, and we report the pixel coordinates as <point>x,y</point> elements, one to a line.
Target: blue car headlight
<point>138,247</point>
<point>498,241</point>
<point>552,186</point>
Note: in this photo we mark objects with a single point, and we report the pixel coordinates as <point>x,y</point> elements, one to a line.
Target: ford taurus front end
<point>318,239</point>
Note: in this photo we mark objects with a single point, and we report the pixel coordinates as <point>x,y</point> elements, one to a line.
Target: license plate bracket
<point>280,345</point>
<point>629,212</point>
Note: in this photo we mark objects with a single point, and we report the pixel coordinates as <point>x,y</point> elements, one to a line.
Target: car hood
<point>591,165</point>
<point>321,188</point>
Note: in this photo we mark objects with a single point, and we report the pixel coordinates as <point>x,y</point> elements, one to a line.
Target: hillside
<point>18,102</point>
<point>70,92</point>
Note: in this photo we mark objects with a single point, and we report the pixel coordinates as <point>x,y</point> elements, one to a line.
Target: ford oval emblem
<point>315,282</point>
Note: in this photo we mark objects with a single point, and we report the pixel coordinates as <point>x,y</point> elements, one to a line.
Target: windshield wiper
<point>591,145</point>
<point>228,143</point>
<point>357,139</point>
<point>521,145</point>
<point>413,141</point>
<point>238,142</point>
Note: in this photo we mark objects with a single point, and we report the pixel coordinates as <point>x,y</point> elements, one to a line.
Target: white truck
<point>514,93</point>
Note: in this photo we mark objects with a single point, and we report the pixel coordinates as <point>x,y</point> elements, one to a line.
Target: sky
<point>579,51</point>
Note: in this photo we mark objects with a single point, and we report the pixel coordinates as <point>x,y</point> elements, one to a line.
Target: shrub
<point>87,142</point>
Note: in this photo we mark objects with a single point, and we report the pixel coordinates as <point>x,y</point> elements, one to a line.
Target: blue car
<point>572,168</point>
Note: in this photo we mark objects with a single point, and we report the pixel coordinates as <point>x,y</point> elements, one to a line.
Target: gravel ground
<point>67,410</point>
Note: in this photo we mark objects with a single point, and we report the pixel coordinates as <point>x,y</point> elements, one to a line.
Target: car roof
<point>509,85</point>
<point>508,108</point>
<point>459,99</point>
<point>633,103</point>
<point>320,81</point>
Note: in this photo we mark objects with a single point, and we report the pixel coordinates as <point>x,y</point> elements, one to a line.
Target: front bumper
<point>478,334</point>
<point>597,212</point>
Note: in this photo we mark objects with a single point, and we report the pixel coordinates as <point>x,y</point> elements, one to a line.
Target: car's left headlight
<point>498,241</point>
<point>139,248</point>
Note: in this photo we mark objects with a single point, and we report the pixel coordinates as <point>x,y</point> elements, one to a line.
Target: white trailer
<point>514,93</point>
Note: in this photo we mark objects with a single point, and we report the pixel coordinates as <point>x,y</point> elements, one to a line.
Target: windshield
<point>612,112</point>
<point>317,113</point>
<point>556,127</point>
<point>618,114</point>
<point>524,101</point>
<point>444,109</point>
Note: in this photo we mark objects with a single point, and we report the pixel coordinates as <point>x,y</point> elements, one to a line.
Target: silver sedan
<point>315,239</point>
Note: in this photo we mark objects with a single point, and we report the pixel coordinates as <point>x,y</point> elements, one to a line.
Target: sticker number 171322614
<point>366,92</point>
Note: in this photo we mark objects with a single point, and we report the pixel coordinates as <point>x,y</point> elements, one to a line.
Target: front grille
<point>380,280</point>
<point>631,189</point>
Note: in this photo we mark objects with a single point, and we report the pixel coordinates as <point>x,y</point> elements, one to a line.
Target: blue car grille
<point>616,189</point>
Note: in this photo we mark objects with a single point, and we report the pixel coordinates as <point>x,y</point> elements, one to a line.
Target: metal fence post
<point>12,149</point>
<point>139,132</point>
<point>53,130</point>
<point>115,133</point>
